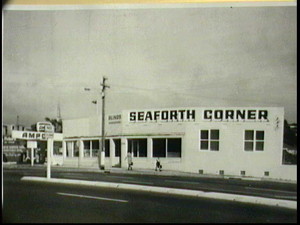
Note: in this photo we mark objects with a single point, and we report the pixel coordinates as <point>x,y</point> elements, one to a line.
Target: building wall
<point>231,157</point>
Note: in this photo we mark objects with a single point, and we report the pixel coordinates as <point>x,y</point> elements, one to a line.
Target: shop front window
<point>174,147</point>
<point>166,147</point>
<point>95,148</point>
<point>138,147</point>
<point>57,148</point>
<point>69,146</point>
<point>117,147</point>
<point>159,147</point>
<point>87,148</point>
<point>76,149</point>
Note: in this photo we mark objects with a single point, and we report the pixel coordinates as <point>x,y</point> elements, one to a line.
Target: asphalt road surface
<point>266,189</point>
<point>38,202</point>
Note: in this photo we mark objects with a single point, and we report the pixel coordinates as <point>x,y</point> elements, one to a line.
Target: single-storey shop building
<point>236,141</point>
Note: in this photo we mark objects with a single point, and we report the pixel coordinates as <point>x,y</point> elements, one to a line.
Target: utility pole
<point>102,154</point>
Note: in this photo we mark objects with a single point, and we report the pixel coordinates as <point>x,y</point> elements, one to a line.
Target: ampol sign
<point>31,135</point>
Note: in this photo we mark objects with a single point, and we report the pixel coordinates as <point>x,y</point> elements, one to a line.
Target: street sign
<point>31,144</point>
<point>45,127</point>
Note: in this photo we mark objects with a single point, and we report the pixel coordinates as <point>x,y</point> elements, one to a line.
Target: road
<point>266,189</point>
<point>51,203</point>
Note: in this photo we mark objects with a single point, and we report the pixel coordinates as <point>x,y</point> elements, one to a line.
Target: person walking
<point>158,165</point>
<point>129,160</point>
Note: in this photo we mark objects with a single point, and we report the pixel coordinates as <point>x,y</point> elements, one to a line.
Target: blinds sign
<point>113,119</point>
<point>235,115</point>
<point>182,115</point>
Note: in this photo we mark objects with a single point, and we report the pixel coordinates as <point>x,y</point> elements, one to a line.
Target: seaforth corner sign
<point>181,115</point>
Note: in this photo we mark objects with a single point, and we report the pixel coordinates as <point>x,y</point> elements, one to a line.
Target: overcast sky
<point>153,58</point>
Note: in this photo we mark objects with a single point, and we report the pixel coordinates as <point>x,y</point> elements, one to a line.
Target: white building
<point>223,141</point>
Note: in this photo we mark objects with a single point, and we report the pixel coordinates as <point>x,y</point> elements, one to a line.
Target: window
<point>69,146</point>
<point>107,149</point>
<point>209,140</point>
<point>159,147</point>
<point>86,148</point>
<point>57,148</point>
<point>254,140</point>
<point>90,148</point>
<point>72,148</point>
<point>117,147</point>
<point>95,148</point>
<point>166,147</point>
<point>138,147</point>
<point>76,148</point>
<point>173,147</point>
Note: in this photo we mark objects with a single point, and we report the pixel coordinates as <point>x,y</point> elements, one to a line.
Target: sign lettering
<point>235,115</point>
<point>113,119</point>
<point>164,115</point>
<point>27,135</point>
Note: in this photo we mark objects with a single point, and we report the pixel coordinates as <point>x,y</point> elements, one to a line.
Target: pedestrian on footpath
<point>129,160</point>
<point>158,165</point>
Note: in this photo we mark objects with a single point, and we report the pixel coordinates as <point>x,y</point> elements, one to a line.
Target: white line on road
<point>272,190</point>
<point>185,182</point>
<point>289,197</point>
<point>121,177</point>
<point>74,176</point>
<point>136,182</point>
<point>92,197</point>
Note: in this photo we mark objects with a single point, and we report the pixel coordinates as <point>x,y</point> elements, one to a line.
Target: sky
<point>151,57</point>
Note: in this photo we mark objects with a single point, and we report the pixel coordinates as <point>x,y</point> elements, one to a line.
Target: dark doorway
<point>117,143</point>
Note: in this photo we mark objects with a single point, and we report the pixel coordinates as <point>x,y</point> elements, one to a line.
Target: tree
<point>57,123</point>
<point>290,136</point>
<point>33,127</point>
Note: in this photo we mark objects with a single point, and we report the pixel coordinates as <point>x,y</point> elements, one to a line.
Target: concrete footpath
<point>193,193</point>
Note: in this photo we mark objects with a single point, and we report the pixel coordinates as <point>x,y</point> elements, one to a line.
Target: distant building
<point>12,149</point>
<point>8,128</point>
<point>15,149</point>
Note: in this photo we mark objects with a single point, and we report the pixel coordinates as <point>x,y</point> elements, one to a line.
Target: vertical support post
<point>64,149</point>
<point>49,158</point>
<point>81,153</point>
<point>32,156</point>
<point>112,151</point>
<point>124,147</point>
